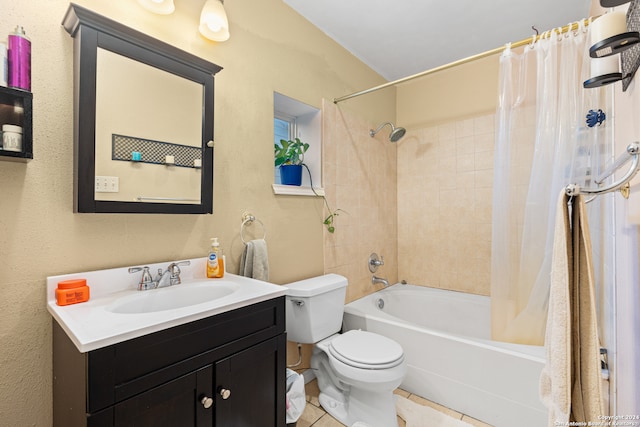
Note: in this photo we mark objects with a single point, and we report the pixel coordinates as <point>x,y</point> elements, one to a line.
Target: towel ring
<point>248,219</point>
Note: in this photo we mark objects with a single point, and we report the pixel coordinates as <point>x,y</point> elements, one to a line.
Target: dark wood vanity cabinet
<point>225,371</point>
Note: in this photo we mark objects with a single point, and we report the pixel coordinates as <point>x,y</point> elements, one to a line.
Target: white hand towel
<point>255,261</point>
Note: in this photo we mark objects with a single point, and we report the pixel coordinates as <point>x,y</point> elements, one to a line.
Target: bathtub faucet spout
<point>377,280</point>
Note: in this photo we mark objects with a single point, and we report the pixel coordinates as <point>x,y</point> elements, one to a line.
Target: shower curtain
<point>542,144</point>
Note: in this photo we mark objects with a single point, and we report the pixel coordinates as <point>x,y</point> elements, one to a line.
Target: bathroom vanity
<point>215,363</point>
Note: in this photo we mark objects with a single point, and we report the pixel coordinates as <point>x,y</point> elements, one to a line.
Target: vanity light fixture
<point>161,7</point>
<point>213,21</point>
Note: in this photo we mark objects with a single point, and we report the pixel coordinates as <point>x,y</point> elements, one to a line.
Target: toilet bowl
<point>357,371</point>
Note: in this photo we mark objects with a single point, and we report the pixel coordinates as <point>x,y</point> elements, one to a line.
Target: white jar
<point>11,138</point>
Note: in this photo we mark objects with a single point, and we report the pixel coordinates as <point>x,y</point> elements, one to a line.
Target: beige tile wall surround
<point>445,179</point>
<point>360,179</point>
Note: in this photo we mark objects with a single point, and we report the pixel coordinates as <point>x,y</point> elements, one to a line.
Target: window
<point>291,119</point>
<point>284,127</point>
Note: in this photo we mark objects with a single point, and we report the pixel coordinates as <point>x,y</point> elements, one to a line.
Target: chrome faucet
<point>374,263</point>
<point>169,277</point>
<point>377,280</point>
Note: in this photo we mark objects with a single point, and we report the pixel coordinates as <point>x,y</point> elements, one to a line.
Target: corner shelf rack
<point>16,108</point>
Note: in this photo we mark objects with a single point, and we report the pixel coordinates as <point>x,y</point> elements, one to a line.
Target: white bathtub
<point>450,357</point>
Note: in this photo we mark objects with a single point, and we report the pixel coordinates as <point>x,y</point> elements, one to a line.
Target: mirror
<point>143,119</point>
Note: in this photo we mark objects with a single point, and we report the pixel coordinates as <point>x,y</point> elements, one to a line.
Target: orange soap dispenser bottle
<point>215,260</point>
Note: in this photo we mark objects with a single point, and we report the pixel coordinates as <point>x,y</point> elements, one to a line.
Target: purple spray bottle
<point>19,60</point>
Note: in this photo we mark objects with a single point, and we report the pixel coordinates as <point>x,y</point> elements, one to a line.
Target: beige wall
<point>458,93</point>
<point>271,49</point>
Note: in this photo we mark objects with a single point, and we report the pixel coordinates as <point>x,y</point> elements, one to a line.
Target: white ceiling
<point>398,38</point>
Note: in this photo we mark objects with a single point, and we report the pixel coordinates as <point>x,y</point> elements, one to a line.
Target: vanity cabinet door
<point>250,386</point>
<point>176,403</point>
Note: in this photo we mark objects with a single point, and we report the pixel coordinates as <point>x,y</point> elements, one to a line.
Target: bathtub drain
<point>380,303</point>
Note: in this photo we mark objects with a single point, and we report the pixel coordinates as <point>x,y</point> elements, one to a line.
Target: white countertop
<point>92,325</point>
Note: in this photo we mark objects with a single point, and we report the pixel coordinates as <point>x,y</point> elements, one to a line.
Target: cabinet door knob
<point>206,402</point>
<point>225,393</point>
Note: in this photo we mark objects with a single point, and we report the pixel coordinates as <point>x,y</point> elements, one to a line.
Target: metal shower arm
<point>373,133</point>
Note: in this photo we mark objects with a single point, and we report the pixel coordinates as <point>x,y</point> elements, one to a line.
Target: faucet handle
<point>174,268</point>
<point>146,281</point>
<point>375,262</point>
<point>174,265</point>
<point>174,271</point>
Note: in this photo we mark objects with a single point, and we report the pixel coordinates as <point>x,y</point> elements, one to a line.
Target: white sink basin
<point>117,312</point>
<point>172,297</point>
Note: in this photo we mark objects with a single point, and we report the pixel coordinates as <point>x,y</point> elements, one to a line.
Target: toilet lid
<point>366,350</point>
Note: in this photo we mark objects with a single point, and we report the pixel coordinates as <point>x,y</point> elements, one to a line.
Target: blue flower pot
<point>291,174</point>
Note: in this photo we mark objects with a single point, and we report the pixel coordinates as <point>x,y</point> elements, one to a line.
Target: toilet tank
<point>314,308</point>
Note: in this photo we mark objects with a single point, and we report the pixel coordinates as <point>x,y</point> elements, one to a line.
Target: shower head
<point>394,136</point>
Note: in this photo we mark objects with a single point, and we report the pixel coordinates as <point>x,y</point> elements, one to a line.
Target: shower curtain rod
<point>569,27</point>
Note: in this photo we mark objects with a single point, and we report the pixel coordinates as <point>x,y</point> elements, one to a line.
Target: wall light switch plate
<point>107,184</point>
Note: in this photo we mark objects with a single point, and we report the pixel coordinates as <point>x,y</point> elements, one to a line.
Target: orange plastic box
<point>72,292</point>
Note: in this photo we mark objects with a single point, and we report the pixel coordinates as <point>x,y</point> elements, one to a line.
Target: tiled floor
<point>315,416</point>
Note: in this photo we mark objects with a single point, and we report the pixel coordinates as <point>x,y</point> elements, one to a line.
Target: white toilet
<point>357,371</point>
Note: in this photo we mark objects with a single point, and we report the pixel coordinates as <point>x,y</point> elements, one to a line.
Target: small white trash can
<point>296,398</point>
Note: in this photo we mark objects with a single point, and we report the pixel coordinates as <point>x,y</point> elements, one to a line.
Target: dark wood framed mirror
<point>143,121</point>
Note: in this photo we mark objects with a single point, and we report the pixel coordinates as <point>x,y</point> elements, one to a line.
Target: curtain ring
<point>570,30</point>
<point>507,49</point>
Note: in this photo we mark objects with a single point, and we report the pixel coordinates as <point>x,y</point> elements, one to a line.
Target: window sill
<point>294,190</point>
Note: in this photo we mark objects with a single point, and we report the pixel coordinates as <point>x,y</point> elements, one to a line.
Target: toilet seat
<point>366,350</point>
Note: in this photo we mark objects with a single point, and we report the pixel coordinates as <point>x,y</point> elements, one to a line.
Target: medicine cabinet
<point>143,117</point>
<point>16,109</point>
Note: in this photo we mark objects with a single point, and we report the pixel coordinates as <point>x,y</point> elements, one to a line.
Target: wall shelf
<point>294,190</point>
<point>16,109</point>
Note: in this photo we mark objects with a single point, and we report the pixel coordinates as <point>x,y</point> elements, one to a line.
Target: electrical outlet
<point>107,184</point>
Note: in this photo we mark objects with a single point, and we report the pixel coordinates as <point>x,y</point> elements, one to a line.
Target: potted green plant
<point>289,156</point>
